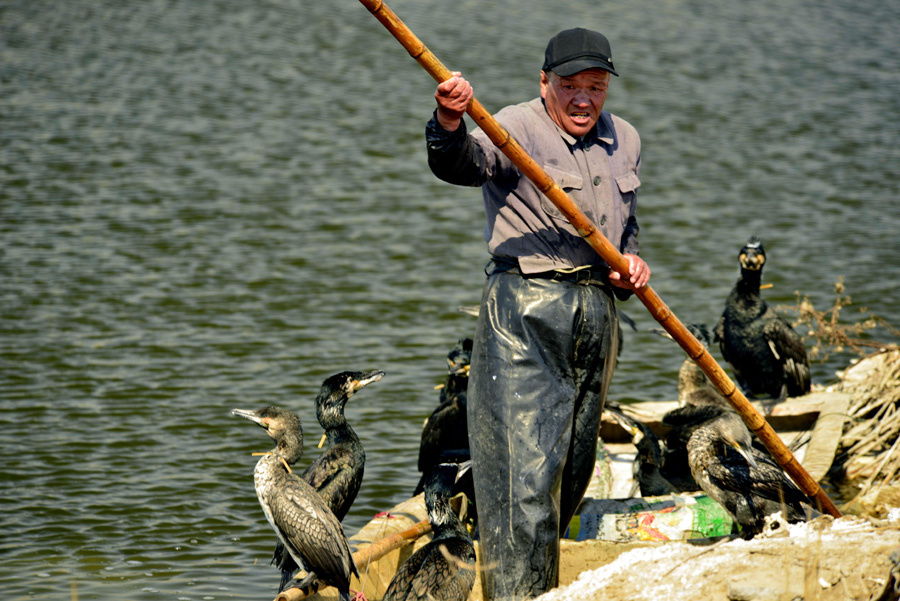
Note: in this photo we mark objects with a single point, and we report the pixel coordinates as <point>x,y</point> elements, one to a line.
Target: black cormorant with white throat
<point>458,360</point>
<point>302,520</point>
<point>766,354</point>
<point>338,472</point>
<point>443,569</point>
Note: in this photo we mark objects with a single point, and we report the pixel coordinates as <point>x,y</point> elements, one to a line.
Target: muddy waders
<point>543,357</point>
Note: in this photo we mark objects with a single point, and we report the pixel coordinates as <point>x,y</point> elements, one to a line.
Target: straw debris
<point>868,456</point>
<point>826,334</point>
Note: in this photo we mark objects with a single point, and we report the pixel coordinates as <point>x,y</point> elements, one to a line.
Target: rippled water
<point>208,205</point>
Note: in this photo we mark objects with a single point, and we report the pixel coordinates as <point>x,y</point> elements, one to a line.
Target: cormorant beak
<point>456,370</point>
<point>752,262</point>
<point>366,379</point>
<point>633,431</point>
<point>251,415</point>
<point>660,332</point>
<point>462,468</point>
<point>745,453</point>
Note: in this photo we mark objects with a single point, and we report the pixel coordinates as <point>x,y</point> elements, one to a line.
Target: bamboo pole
<point>695,350</point>
<point>373,552</point>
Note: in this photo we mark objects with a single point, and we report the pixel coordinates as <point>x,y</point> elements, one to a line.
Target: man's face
<point>575,102</point>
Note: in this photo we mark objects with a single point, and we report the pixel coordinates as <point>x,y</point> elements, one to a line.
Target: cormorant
<point>446,430</point>
<point>745,481</point>
<point>458,360</point>
<point>302,520</point>
<point>661,466</point>
<point>646,471</point>
<point>682,421</point>
<point>443,569</point>
<point>766,354</point>
<point>338,472</point>
<point>694,388</point>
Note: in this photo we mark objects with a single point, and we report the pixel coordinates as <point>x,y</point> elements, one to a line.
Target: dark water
<point>207,205</point>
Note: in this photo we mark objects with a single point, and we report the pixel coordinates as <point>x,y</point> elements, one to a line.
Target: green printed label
<point>710,518</point>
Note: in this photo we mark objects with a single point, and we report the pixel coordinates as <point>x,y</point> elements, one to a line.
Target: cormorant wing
<point>719,337</point>
<point>730,472</point>
<point>787,347</point>
<point>435,433</point>
<point>331,469</point>
<point>401,585</point>
<point>774,483</point>
<point>766,483</point>
<point>312,532</point>
<point>435,574</point>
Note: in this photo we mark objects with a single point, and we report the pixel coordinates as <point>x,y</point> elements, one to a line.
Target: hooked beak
<point>251,415</point>
<point>752,262</point>
<point>464,467</point>
<point>745,453</point>
<point>660,332</point>
<point>633,431</point>
<point>367,378</point>
<point>455,369</point>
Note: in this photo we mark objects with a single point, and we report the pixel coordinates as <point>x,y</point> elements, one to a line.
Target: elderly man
<point>546,339</point>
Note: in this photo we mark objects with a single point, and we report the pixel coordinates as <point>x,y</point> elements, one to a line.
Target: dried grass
<point>868,454</point>
<point>827,335</point>
<point>869,449</point>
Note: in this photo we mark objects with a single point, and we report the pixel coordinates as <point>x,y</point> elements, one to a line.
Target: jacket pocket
<point>571,183</point>
<point>628,183</point>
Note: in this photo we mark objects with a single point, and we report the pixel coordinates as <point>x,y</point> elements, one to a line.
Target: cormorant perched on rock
<point>302,520</point>
<point>338,472</point>
<point>446,430</point>
<point>443,569</point>
<point>745,481</point>
<point>766,354</point>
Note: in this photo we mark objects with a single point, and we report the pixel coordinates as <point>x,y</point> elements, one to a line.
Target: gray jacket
<point>599,173</point>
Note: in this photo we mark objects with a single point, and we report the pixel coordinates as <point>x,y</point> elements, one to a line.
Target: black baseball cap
<point>574,50</point>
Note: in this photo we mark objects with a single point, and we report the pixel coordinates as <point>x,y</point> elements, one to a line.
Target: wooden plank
<point>793,414</point>
<point>825,436</point>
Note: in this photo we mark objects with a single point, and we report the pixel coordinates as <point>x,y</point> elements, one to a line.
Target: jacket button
<point>597,180</point>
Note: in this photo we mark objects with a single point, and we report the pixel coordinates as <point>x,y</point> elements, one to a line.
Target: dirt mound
<point>825,559</point>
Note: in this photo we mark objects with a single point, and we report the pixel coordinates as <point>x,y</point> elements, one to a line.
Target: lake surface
<point>209,205</point>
